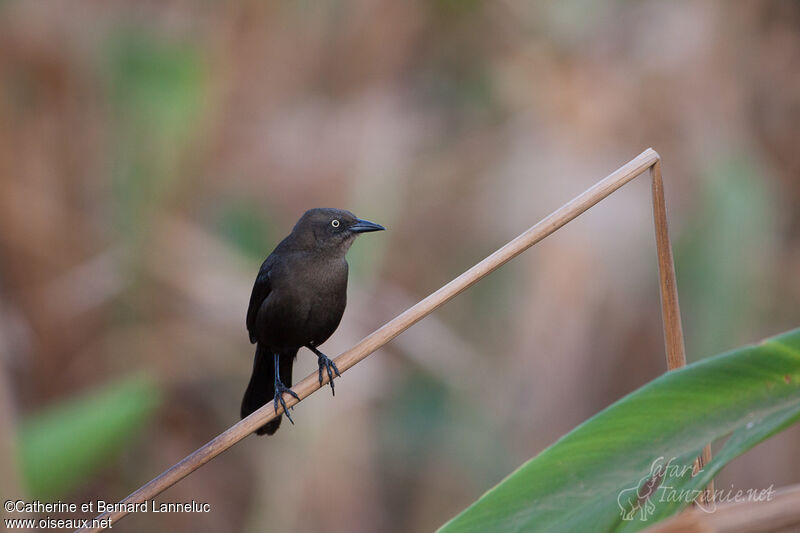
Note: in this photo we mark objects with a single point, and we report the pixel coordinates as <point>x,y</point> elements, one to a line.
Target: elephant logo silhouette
<point>637,498</point>
<point>640,496</point>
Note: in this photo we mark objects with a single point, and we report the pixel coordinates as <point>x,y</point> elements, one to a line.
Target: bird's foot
<point>327,364</point>
<point>280,388</point>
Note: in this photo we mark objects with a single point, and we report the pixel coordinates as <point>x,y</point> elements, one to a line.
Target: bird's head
<point>331,229</point>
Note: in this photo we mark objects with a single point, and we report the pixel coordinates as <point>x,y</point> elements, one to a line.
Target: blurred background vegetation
<point>153,153</point>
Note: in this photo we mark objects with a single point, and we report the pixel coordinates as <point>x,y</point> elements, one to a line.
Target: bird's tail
<point>261,389</point>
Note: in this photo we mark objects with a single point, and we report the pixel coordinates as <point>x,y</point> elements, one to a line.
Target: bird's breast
<point>307,304</point>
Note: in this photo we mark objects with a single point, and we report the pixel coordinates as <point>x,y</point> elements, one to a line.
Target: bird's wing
<point>261,290</point>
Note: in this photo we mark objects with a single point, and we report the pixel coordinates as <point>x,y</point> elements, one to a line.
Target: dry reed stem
<point>670,310</point>
<point>648,159</point>
<point>781,513</point>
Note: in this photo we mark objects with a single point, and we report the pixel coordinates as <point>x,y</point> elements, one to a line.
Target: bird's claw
<point>326,363</point>
<point>280,388</point>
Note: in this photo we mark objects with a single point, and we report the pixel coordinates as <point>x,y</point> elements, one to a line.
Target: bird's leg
<point>326,363</point>
<point>280,388</point>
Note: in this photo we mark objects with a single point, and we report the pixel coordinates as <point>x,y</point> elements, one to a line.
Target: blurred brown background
<point>153,153</point>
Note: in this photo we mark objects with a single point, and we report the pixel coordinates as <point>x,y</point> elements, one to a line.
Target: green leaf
<point>62,446</point>
<point>591,477</point>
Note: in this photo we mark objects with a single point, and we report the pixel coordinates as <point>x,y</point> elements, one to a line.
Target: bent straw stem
<point>648,159</point>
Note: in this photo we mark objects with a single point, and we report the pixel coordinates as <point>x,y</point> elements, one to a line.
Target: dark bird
<point>298,300</point>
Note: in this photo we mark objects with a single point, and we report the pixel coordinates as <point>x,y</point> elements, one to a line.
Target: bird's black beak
<point>363,226</point>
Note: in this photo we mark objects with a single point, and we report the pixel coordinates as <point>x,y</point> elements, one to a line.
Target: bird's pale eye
<point>335,223</point>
